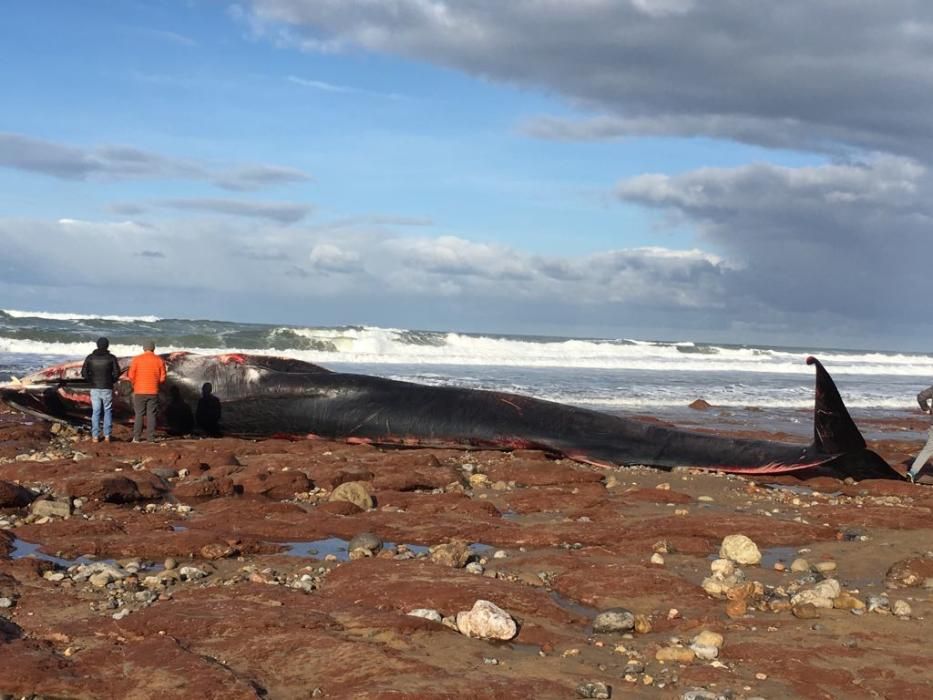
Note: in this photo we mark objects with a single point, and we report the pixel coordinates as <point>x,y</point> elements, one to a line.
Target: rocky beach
<point>229,568</point>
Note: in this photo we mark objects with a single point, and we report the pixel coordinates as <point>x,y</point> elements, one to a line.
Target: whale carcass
<point>266,396</point>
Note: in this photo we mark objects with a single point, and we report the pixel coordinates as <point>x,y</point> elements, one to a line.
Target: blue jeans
<point>925,453</point>
<point>101,398</point>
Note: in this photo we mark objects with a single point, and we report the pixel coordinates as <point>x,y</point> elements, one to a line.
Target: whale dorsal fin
<point>834,431</point>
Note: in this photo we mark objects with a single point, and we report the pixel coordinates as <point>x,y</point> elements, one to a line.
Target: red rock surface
<point>577,540</point>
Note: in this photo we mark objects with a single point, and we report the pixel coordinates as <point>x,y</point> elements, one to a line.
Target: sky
<point>724,170</point>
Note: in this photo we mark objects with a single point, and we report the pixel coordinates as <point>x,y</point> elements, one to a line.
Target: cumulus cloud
<point>328,257</point>
<point>116,163</point>
<point>793,74</point>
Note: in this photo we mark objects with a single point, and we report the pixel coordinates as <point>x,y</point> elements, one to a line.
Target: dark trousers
<point>148,404</point>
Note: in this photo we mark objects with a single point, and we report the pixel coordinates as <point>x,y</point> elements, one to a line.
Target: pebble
<point>614,620</point>
<point>709,638</point>
<point>657,559</point>
<point>170,564</point>
<point>500,554</point>
<point>800,565</point>
<point>901,608</point>
<point>6,603</point>
<point>681,655</point>
<point>723,568</point>
<point>427,614</point>
<point>805,611</point>
<point>453,554</point>
<point>700,694</point>
<point>367,542</point>
<point>594,689</point>
<point>824,567</point>
<point>642,624</point>
<point>474,567</point>
<point>740,549</point>
<point>847,601</point>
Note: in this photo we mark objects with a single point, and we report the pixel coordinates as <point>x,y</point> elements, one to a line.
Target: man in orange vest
<point>147,372</point>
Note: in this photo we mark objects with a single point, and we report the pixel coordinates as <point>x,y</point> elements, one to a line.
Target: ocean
<point>749,386</point>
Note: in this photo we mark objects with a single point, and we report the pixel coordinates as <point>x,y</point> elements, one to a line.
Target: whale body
<point>264,396</point>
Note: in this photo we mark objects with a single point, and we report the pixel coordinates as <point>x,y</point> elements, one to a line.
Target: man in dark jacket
<point>924,398</point>
<point>101,370</point>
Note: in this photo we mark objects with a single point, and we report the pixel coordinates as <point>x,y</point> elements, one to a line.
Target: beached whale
<point>266,396</point>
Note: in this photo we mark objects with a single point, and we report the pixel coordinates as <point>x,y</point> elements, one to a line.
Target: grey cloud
<point>837,282</point>
<point>849,240</point>
<point>116,162</point>
<point>126,208</point>
<point>151,254</point>
<point>256,177</point>
<point>281,212</point>
<point>792,74</point>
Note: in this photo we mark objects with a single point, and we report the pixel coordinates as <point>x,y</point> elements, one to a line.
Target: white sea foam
<point>381,346</point>
<point>54,316</point>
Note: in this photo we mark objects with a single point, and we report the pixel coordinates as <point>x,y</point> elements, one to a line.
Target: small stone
<point>642,624</point>
<point>779,566</point>
<point>474,567</point>
<point>805,611</point>
<point>170,564</point>
<point>427,614</point>
<point>366,542</point>
<point>799,565</point>
<point>614,620</point>
<point>901,608</point>
<point>453,554</point>
<point>681,655</point>
<point>761,676</point>
<point>736,608</point>
<point>847,601</point>
<point>500,554</point>
<point>824,567</point>
<point>709,638</point>
<point>704,651</point>
<point>663,486</point>
<point>100,579</point>
<point>740,549</point>
<point>355,492</point>
<point>722,568</point>
<point>478,480</point>
<point>593,689</point>
<point>657,559</point>
<point>217,550</point>
<point>47,508</point>
<point>6,602</point>
<point>700,694</point>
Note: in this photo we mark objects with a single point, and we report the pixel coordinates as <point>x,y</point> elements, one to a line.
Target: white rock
<point>799,565</point>
<point>709,638</point>
<point>740,549</point>
<point>657,559</point>
<point>486,620</point>
<point>722,567</point>
<point>474,567</point>
<point>500,554</point>
<point>901,608</point>
<point>705,651</point>
<point>427,614</point>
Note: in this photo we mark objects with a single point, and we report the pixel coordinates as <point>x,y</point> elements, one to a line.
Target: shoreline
<point>244,616</point>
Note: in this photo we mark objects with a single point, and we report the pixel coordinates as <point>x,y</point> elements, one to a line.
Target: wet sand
<point>218,568</point>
